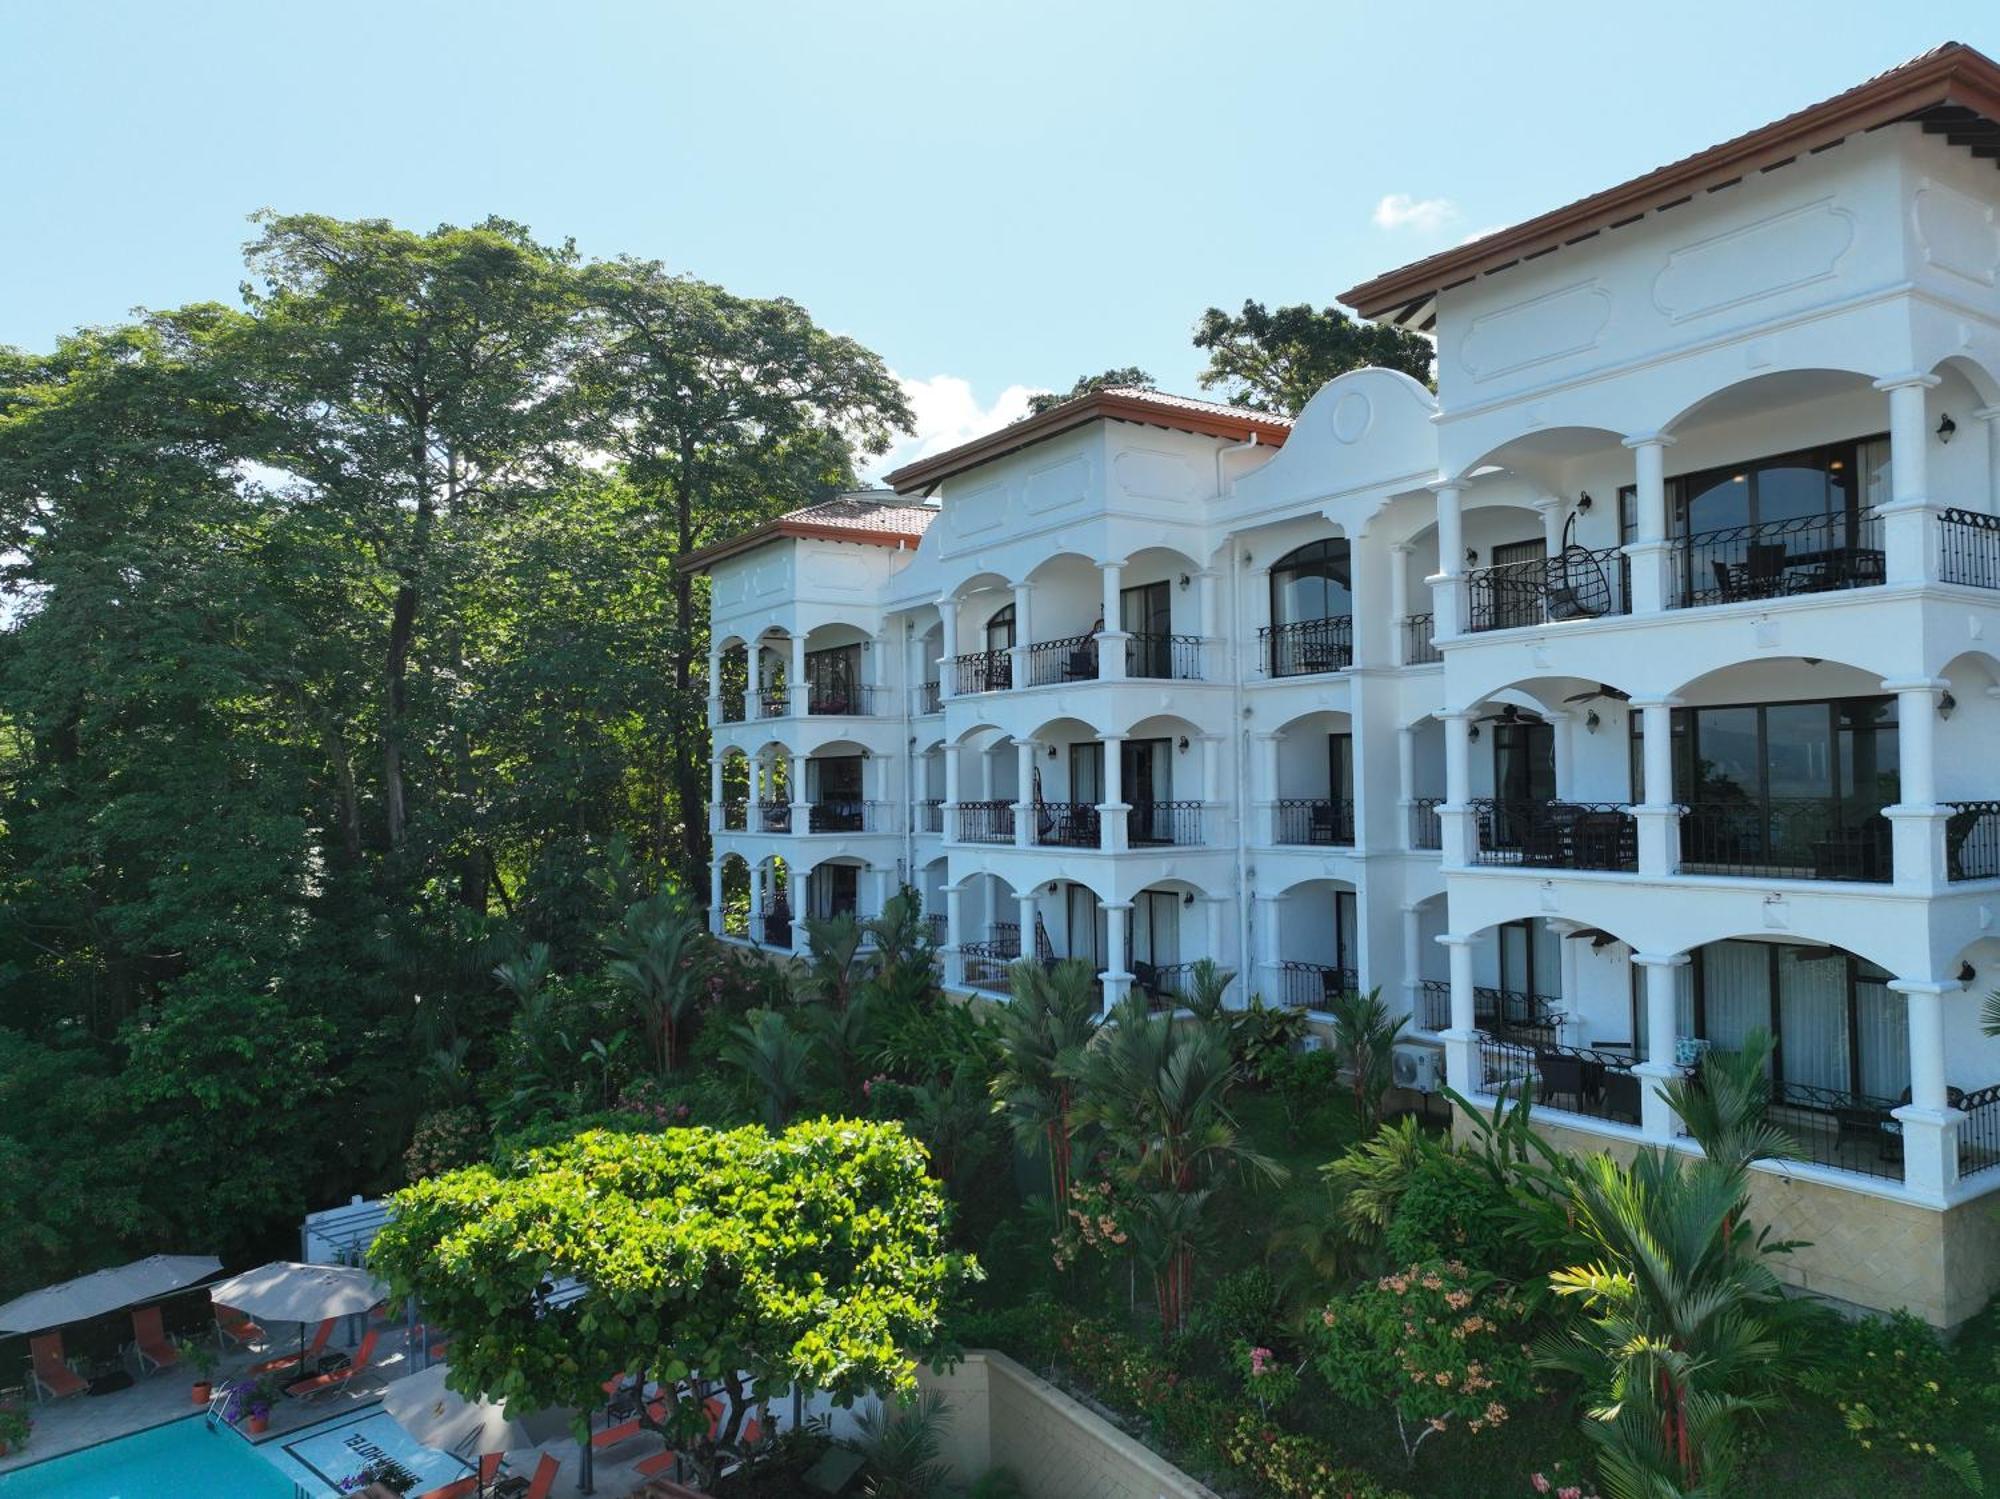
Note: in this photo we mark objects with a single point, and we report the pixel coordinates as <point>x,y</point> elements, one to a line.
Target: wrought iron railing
<point>732,706</point>
<point>930,816</point>
<point>1067,825</point>
<point>855,700</point>
<point>985,964</point>
<point>845,817</point>
<point>1164,984</point>
<point>1307,646</point>
<point>1834,1127</point>
<point>1556,835</point>
<point>1777,559</point>
<point>1158,823</point>
<point>775,926</point>
<point>927,698</point>
<point>935,923</point>
<point>982,671</point>
<point>1177,657</point>
<point>1574,584</point>
<point>1426,827</point>
<point>1565,1079</point>
<point>735,817</point>
<point>774,817</point>
<point>1516,1015</point>
<point>1434,1004</point>
<point>986,822</point>
<point>773,701</point>
<point>1972,840</point>
<point>1420,640</point>
<point>1315,820</point>
<point>1979,1135</point>
<point>1308,986</point>
<point>1071,659</point>
<point>1969,542</point>
<point>1805,838</point>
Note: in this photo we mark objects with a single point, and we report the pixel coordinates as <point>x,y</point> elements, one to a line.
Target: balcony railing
<point>930,816</point>
<point>1315,820</point>
<point>986,963</point>
<point>1174,657</point>
<point>855,700</point>
<point>735,817</point>
<point>1420,640</point>
<point>1308,986</point>
<point>935,922</point>
<point>732,706</point>
<point>1307,646</point>
<point>927,698</point>
<point>1163,823</point>
<point>1072,659</point>
<point>1574,584</point>
<point>846,817</point>
<point>1434,1004</point>
<point>982,671</point>
<point>1556,835</point>
<point>1516,1015</point>
<point>774,926</point>
<point>1972,841</point>
<point>1426,827</point>
<point>1067,824</point>
<point>986,822</point>
<point>773,701</point>
<point>1979,1135</point>
<point>1969,542</point>
<point>1163,984</point>
<point>1834,1127</point>
<point>1803,838</point>
<point>774,817</point>
<point>1778,559</point>
<point>1567,1079</point>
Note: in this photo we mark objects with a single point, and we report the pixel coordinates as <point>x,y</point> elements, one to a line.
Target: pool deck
<point>64,1426</point>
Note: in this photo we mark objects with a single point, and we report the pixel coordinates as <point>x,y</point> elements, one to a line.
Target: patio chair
<point>231,1326</point>
<point>149,1339</point>
<point>538,1487</point>
<point>1621,1095</point>
<point>656,1465</point>
<point>1561,1076</point>
<point>1765,569</point>
<point>283,1360</point>
<point>612,1436</point>
<point>313,1387</point>
<point>50,1371</point>
<point>1865,1126</point>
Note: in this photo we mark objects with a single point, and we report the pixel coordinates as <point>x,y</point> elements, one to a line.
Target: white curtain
<point>1548,962</point>
<point>1884,1021</point>
<point>1812,1016</point>
<point>1736,989</point>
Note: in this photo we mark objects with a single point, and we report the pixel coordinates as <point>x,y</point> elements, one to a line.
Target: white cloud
<point>948,413</point>
<point>1401,211</point>
<point>1482,233</point>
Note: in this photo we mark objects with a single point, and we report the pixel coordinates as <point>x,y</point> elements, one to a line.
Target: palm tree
<point>1685,1327</point>
<point>777,1059</point>
<point>660,955</point>
<point>1159,1091</point>
<point>903,1445</point>
<point>1051,1020</point>
<point>1208,985</point>
<point>1726,1108</point>
<point>837,962</point>
<point>1364,1045</point>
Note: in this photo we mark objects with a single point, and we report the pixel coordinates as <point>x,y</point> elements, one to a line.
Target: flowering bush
<point>1561,1481</point>
<point>1440,1343</point>
<point>1269,1380</point>
<point>444,1140</point>
<point>1294,1466</point>
<point>1099,1219</point>
<point>1892,1382</point>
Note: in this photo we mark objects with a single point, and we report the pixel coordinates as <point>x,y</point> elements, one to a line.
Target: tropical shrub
<point>1365,1033</point>
<point>1296,1467</point>
<point>445,1139</point>
<point>1309,1085</point>
<point>1439,1342</point>
<point>1267,1379</point>
<point>1259,1033</point>
<point>1450,1208</point>
<point>1895,1388</point>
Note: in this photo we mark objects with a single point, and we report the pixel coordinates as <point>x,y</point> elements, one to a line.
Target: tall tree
<point>1125,377</point>
<point>1273,360</point>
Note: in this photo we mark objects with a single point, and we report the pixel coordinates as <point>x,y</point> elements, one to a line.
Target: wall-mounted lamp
<point>1472,554</point>
<point>1584,502</point>
<point>1946,704</point>
<point>1472,734</point>
<point>1187,898</point>
<point>1945,427</point>
<point>1185,580</point>
<point>1967,973</point>
<point>1182,744</point>
<point>1591,721</point>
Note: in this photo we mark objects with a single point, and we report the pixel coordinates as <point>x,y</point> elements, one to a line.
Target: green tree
<point>777,1061</point>
<point>1364,1043</point>
<point>660,955</point>
<point>815,1257</point>
<point>1125,377</point>
<point>1274,360</point>
<point>1044,1030</point>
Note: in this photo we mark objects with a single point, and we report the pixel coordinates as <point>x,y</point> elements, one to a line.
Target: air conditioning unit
<point>1418,1068</point>
<point>1311,1041</point>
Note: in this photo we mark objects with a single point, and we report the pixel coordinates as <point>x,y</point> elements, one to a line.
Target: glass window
<point>1314,582</point>
<point>1345,930</point>
<point>1000,630</point>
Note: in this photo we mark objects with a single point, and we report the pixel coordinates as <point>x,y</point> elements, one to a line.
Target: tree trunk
<point>402,626</point>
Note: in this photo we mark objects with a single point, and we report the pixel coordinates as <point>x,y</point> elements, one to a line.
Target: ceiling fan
<point>1602,689</point>
<point>1511,713</point>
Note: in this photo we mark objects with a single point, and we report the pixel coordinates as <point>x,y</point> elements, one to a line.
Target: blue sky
<point>997,198</point>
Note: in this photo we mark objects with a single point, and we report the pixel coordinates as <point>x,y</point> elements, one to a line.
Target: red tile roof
<point>1151,407</point>
<point>872,518</point>
<point>1953,89</point>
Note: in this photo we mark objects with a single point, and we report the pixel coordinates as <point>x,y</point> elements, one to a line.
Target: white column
<point>876,880</point>
<point>949,810</point>
<point>715,896</point>
<point>954,936</point>
<point>1111,639</point>
<point>1461,1042</point>
<point>1208,748</point>
<point>1024,792</point>
<point>1209,623</point>
<point>1916,821</point>
<point>1907,530</point>
<point>1650,553</point>
<point>801,797</point>
<point>1264,799</point>
<point>1413,958</point>
<point>1929,1123</point>
<point>714,789</point>
<point>1550,509</point>
<point>1270,949</point>
<point>1406,781</point>
<point>795,686</point>
<point>1988,418</point>
<point>1563,727</point>
<point>1658,815</point>
<point>1399,602</point>
<point>714,688</point>
<point>753,696</point>
<point>758,895</point>
<point>1216,910</point>
<point>1656,1119</point>
<point>1117,981</point>
<point>947,643</point>
<point>1111,811</point>
<point>1448,582</point>
<point>1027,911</point>
<point>1455,821</point>
<point>1024,596</point>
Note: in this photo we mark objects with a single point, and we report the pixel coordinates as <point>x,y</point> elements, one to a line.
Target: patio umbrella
<point>105,1291</point>
<point>439,1417</point>
<point>284,1291</point>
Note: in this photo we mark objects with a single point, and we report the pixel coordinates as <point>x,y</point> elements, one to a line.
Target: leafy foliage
<point>1274,360</point>
<point>1896,1387</point>
<point>1125,377</point>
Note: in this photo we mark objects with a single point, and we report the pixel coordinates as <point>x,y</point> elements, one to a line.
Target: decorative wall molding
<point>1552,326</point>
<point>1777,253</point>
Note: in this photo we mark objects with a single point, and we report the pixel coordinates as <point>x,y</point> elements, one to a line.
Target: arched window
<point>1000,629</point>
<point>1312,608</point>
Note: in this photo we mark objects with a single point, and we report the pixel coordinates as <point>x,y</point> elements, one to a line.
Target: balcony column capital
<point>1905,381</point>
<point>1664,700</point>
<point>1928,685</point>
<point>1661,959</point>
<point>1647,440</point>
<point>1401,548</point>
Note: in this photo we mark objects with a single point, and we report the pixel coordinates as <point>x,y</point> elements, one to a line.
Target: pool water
<point>181,1460</point>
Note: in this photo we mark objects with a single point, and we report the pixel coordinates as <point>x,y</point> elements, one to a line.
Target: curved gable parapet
<point>1367,429</point>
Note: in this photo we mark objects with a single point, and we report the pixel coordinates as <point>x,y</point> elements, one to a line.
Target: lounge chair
<point>231,1326</point>
<point>539,1487</point>
<point>149,1339</point>
<point>657,1464</point>
<point>319,1384</point>
<point>284,1360</point>
<point>53,1378</point>
<point>611,1436</point>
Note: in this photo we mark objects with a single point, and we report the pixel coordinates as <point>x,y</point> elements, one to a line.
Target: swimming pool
<point>191,1460</point>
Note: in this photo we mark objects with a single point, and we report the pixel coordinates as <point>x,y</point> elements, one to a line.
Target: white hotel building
<point>1639,688</point>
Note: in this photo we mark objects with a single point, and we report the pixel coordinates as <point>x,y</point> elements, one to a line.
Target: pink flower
<point>1572,1492</point>
<point>1541,1484</point>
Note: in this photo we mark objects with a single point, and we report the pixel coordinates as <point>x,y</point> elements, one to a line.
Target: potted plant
<point>199,1357</point>
<point>15,1425</point>
<point>257,1414</point>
